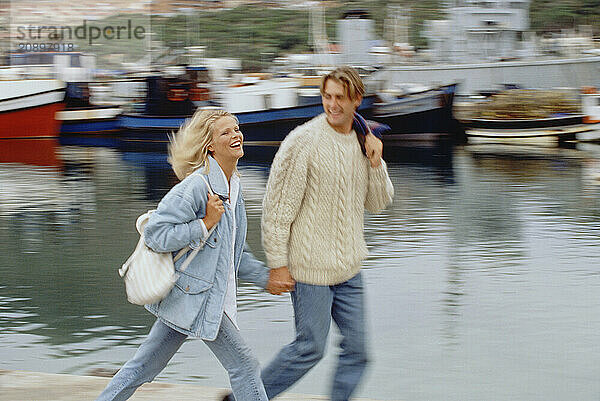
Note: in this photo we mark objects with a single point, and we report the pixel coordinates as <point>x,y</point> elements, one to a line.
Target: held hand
<point>214,210</point>
<point>374,148</point>
<point>280,280</point>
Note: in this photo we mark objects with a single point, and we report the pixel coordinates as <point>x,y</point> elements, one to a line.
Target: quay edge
<point>17,385</point>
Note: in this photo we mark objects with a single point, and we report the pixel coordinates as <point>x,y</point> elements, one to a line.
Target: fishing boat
<point>541,117</point>
<point>416,114</point>
<point>547,136</point>
<point>270,105</point>
<point>266,115</point>
<point>28,105</point>
<point>89,120</point>
<point>268,109</point>
<point>80,114</point>
<point>486,44</point>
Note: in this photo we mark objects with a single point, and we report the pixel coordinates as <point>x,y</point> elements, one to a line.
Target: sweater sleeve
<point>381,190</point>
<point>285,190</point>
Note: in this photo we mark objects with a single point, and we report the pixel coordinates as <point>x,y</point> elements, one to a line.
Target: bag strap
<point>188,260</point>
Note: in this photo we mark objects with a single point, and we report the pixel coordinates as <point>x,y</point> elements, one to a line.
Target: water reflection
<point>481,247</point>
<point>157,173</point>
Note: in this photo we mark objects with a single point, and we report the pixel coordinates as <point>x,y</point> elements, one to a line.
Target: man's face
<point>339,108</point>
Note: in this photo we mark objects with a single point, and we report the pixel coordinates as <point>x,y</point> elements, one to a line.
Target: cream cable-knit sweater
<point>319,185</point>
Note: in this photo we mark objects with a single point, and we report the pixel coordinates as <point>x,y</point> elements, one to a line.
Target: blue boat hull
<point>425,116</point>
<point>260,128</point>
<point>90,126</point>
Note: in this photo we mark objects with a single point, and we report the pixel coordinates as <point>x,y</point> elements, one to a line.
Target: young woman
<point>203,302</point>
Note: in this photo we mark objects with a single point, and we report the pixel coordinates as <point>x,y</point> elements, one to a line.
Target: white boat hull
<point>89,114</point>
<point>543,137</point>
<point>590,135</point>
<point>28,93</point>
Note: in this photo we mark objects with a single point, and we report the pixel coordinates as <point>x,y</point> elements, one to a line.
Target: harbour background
<point>482,279</point>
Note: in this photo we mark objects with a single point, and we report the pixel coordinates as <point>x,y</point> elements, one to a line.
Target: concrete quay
<point>16,385</point>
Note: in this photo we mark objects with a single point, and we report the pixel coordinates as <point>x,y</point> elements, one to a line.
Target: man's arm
<point>381,191</point>
<point>285,191</point>
<point>374,149</point>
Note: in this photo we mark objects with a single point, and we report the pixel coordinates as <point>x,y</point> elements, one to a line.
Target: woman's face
<point>227,140</point>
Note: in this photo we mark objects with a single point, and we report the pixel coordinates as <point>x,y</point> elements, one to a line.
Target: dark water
<point>483,280</point>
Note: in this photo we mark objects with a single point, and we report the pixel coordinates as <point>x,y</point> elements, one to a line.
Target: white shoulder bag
<point>149,276</point>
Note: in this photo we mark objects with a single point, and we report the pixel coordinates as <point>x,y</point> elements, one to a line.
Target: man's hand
<point>280,280</point>
<point>374,149</point>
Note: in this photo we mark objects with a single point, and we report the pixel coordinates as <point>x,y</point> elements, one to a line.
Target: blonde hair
<point>349,78</point>
<point>188,148</point>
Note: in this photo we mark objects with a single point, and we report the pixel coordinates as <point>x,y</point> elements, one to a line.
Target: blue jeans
<point>314,306</point>
<point>163,342</point>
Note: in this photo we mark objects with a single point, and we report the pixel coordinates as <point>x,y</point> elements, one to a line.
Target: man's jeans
<point>314,306</point>
<point>163,342</point>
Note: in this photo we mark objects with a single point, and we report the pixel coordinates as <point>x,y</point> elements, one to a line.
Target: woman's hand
<point>214,210</point>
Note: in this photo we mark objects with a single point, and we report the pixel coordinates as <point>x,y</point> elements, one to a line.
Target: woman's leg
<point>237,358</point>
<point>149,360</point>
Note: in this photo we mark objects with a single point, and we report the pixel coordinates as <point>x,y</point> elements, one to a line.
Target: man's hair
<point>349,78</point>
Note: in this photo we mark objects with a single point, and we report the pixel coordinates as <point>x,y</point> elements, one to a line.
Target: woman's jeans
<point>314,306</point>
<point>163,342</point>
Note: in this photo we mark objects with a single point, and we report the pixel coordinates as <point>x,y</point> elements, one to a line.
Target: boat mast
<point>318,34</point>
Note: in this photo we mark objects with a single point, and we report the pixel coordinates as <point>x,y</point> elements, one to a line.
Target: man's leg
<point>312,316</point>
<point>348,313</point>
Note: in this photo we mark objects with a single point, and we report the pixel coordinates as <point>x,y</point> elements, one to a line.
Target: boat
<point>269,109</point>
<point>547,136</point>
<point>82,117</point>
<point>28,103</point>
<point>477,77</point>
<point>262,126</point>
<point>270,105</point>
<point>267,105</point>
<point>542,117</point>
<point>421,114</point>
<point>78,115</point>
<point>89,120</point>
<point>485,44</point>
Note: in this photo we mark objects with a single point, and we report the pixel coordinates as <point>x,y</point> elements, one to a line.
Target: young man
<point>312,226</point>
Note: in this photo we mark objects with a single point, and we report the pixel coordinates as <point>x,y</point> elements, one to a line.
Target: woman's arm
<point>176,222</point>
<point>252,269</point>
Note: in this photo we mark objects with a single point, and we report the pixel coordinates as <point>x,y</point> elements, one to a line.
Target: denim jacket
<point>195,304</point>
